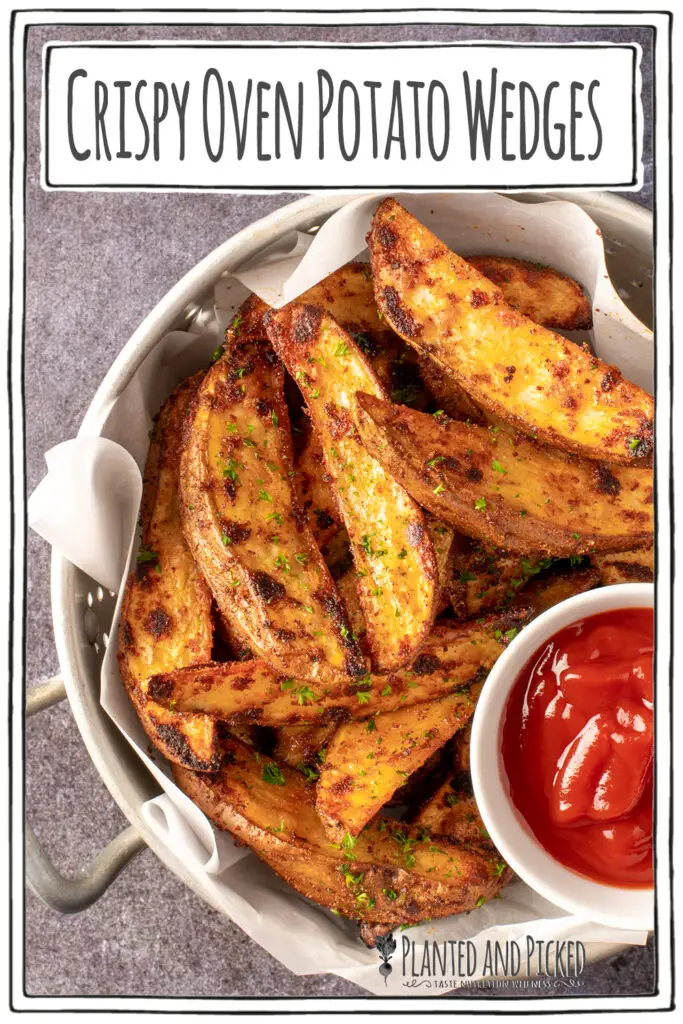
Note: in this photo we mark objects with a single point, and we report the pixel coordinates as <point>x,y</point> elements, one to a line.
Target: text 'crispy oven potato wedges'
<point>366,762</point>
<point>506,490</point>
<point>519,371</point>
<point>244,527</point>
<point>389,874</point>
<point>542,293</point>
<point>453,655</point>
<point>391,547</point>
<point>166,611</point>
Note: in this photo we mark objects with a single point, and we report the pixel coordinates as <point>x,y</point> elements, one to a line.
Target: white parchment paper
<point>87,507</point>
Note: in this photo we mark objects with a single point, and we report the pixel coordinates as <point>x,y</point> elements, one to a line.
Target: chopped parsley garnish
<point>497,468</point>
<point>309,774</point>
<point>480,504</point>
<point>274,517</point>
<point>147,555</point>
<point>439,489</point>
<point>271,773</point>
<point>264,496</point>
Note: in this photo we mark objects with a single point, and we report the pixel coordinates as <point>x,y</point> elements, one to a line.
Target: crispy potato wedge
<point>166,612</point>
<point>461,750</point>
<point>546,296</point>
<point>388,875</point>
<point>245,529</point>
<point>392,550</point>
<point>542,293</point>
<point>626,567</point>
<point>450,396</point>
<point>366,762</point>
<point>299,745</point>
<point>452,811</point>
<point>544,592</point>
<point>347,294</point>
<point>312,483</point>
<point>443,541</point>
<point>508,491</point>
<point>485,577</point>
<point>520,372</point>
<point>454,654</point>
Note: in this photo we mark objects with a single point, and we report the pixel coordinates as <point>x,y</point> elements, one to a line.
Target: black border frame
<point>545,1007</point>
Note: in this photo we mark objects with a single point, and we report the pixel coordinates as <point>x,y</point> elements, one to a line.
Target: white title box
<point>299,116</point>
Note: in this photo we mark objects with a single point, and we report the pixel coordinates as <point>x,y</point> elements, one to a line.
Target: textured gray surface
<point>97,263</point>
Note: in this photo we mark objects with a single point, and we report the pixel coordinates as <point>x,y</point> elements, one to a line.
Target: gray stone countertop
<point>97,263</point>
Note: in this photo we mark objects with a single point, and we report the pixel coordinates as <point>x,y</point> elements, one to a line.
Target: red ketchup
<point>578,745</point>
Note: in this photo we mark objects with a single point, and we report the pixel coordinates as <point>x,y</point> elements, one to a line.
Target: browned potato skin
<point>312,483</point>
<point>546,296</point>
<point>626,567</point>
<point>391,876</point>
<point>542,293</point>
<point>443,541</point>
<point>392,550</point>
<point>497,354</point>
<point>346,293</point>
<point>298,745</point>
<point>544,500</point>
<point>166,611</point>
<point>454,655</point>
<point>486,577</point>
<point>452,811</point>
<point>449,395</point>
<point>266,574</point>
<point>367,762</point>
<point>547,591</point>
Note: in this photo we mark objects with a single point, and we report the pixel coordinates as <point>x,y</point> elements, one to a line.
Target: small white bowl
<point>605,904</point>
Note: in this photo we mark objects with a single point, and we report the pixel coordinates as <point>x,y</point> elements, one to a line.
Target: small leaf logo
<point>386,947</point>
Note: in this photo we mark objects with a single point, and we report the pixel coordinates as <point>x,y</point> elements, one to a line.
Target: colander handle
<point>72,895</point>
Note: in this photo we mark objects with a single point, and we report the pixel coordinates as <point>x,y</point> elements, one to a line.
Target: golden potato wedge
<point>542,293</point>
<point>453,655</point>
<point>461,750</point>
<point>546,591</point>
<point>366,762</point>
<point>392,550</point>
<point>452,811</point>
<point>299,745</point>
<point>244,527</point>
<point>387,874</point>
<point>486,577</point>
<point>443,541</point>
<point>626,567</point>
<point>450,396</point>
<point>166,611</point>
<point>508,491</point>
<point>346,293</point>
<point>316,498</point>
<point>519,371</point>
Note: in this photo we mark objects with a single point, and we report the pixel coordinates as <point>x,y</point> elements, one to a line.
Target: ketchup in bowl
<point>577,746</point>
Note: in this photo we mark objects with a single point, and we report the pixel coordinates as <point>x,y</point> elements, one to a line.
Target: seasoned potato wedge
<point>245,529</point>
<point>299,745</point>
<point>367,762</point>
<point>312,483</point>
<point>392,550</point>
<point>519,371</point>
<point>386,875</point>
<point>347,294</point>
<point>450,396</point>
<point>546,591</point>
<point>542,293</point>
<point>443,541</point>
<point>452,811</point>
<point>485,577</point>
<point>166,612</point>
<point>250,691</point>
<point>461,750</point>
<point>626,567</point>
<point>508,491</point>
